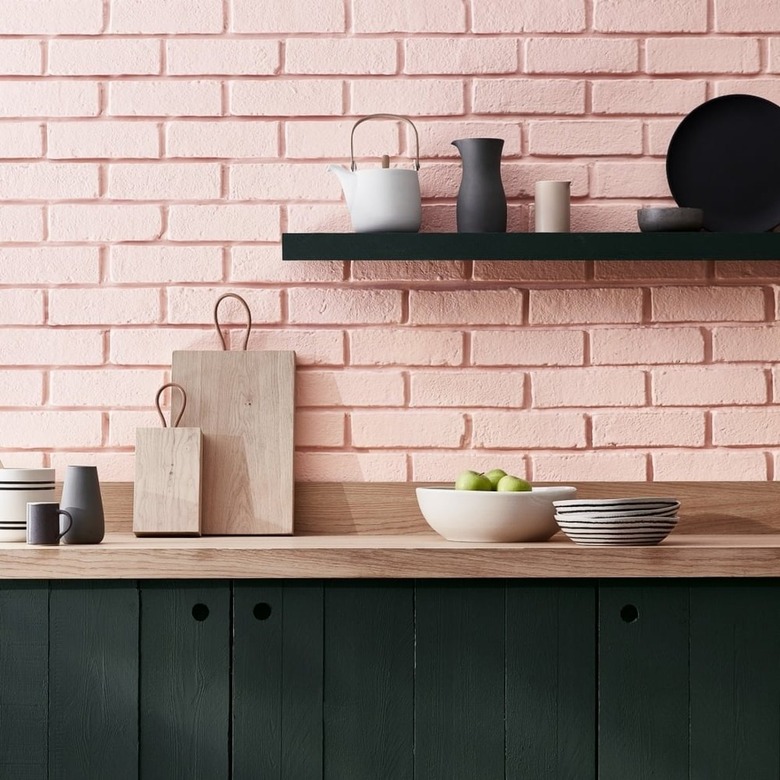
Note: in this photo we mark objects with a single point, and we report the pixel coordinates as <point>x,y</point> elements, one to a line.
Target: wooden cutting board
<point>244,404</point>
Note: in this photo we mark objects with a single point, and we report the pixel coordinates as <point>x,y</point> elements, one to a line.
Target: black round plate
<point>724,158</point>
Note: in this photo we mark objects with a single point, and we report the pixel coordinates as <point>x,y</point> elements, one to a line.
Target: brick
<point>74,140</point>
<point>603,219</point>
<point>659,133</point>
<point>495,16</point>
<point>222,139</point>
<point>561,307</point>
<point>768,270</point>
<point>111,466</point>
<point>21,388</point>
<point>335,307</point>
<point>536,96</point>
<point>108,387</point>
<point>96,306</point>
<point>319,56</point>
<point>153,346</point>
<point>527,347</point>
<point>122,426</point>
<point>51,429</point>
<point>90,222</point>
<point>21,223</point>
<point>467,388</point>
<point>45,180</point>
<point>710,466</point>
<point>629,346</point>
<point>408,270</point>
<point>585,137</point>
<point>49,98</point>
<point>737,16</point>
<point>349,467</point>
<point>590,467</point>
<point>440,16</point>
<point>164,98</point>
<point>21,57</point>
<point>236,222</point>
<point>107,57</point>
<point>164,264</point>
<point>172,16</point>
<point>739,345</point>
<point>407,347</point>
<point>164,181</point>
<point>461,55</point>
<point>21,307</point>
<point>657,428</point>
<point>349,388</point>
<point>581,55</point>
<point>46,265</point>
<point>195,305</point>
<point>193,57</point>
<point>49,346</point>
<point>528,430</point>
<point>630,180</point>
<point>318,218</point>
<point>530,271</point>
<point>737,427</point>
<point>300,97</point>
<point>51,17</point>
<point>436,137</point>
<point>773,66</point>
<point>651,270</point>
<point>466,307</point>
<point>282,181</point>
<point>587,387</point>
<point>329,139</point>
<point>253,263</point>
<point>407,429</point>
<point>21,140</point>
<point>765,88</point>
<point>444,466</point>
<point>287,16</point>
<point>23,459</point>
<point>675,16</point>
<point>652,96</point>
<point>709,386</point>
<point>311,347</point>
<point>319,429</point>
<point>419,97</point>
<point>702,55</point>
<point>708,304</point>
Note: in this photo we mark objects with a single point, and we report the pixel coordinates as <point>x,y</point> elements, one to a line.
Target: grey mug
<point>43,522</point>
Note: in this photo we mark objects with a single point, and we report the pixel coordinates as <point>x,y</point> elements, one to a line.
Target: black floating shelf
<point>531,246</point>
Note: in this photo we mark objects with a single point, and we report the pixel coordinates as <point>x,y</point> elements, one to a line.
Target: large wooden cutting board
<point>244,404</point>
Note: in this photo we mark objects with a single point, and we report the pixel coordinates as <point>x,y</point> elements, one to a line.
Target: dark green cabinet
<point>390,679</point>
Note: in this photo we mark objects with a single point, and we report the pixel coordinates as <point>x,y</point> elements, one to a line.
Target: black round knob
<point>262,611</point>
<point>629,613</point>
<point>200,612</point>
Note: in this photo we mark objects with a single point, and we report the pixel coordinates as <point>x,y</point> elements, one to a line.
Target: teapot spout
<point>347,179</point>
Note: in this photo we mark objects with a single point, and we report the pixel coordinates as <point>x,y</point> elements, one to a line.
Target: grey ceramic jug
<point>82,500</point>
<point>481,199</point>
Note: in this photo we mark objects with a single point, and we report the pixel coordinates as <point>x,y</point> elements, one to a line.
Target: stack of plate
<point>17,487</point>
<point>623,521</point>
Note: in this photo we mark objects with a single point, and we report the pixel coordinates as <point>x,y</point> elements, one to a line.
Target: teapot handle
<point>353,166</point>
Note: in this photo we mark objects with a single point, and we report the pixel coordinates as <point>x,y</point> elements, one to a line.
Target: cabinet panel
<point>93,674</point>
<point>277,680</point>
<point>185,680</point>
<point>369,680</point>
<point>550,680</point>
<point>24,679</point>
<point>735,681</point>
<point>643,681</point>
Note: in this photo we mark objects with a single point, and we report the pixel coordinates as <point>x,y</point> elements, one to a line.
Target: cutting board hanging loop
<point>248,319</point>
<point>183,403</point>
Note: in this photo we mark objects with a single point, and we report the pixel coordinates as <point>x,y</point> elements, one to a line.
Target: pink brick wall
<point>153,151</point>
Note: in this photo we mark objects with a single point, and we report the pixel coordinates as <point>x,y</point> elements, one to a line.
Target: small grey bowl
<point>655,219</point>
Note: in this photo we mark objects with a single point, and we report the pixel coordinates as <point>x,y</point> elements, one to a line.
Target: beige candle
<point>552,202</point>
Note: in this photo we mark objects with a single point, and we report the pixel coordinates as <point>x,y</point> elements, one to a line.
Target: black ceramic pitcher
<point>481,199</point>
<point>81,498</point>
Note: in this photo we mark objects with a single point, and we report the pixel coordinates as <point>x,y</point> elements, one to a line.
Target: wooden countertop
<point>375,530</point>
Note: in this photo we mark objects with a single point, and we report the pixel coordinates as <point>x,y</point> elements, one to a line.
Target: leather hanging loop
<point>248,319</point>
<point>183,403</point>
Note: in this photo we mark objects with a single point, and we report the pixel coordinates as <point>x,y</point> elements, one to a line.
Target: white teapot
<point>382,199</point>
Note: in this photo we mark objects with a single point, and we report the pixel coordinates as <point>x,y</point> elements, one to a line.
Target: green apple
<point>494,476</point>
<point>471,480</point>
<point>510,484</point>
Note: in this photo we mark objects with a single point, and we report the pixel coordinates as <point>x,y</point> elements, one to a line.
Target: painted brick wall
<point>153,151</point>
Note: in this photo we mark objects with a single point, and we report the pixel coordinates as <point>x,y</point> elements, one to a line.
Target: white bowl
<point>17,488</point>
<point>617,503</point>
<point>492,516</point>
<point>594,515</point>
<point>626,531</point>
